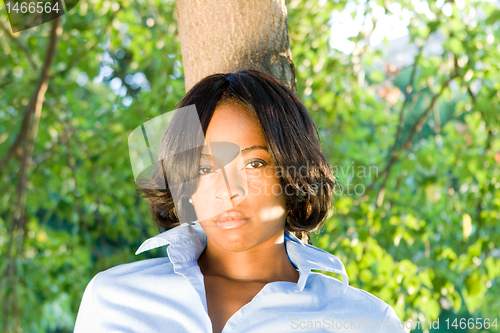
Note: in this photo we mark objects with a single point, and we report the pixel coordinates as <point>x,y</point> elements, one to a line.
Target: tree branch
<point>407,93</point>
<point>5,83</point>
<point>479,206</point>
<point>392,160</point>
<point>19,45</point>
<point>35,103</point>
<point>423,117</point>
<point>26,140</point>
<point>88,47</point>
<point>408,143</point>
<point>69,131</point>
<point>471,95</point>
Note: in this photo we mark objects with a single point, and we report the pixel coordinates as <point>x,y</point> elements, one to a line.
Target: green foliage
<point>403,238</point>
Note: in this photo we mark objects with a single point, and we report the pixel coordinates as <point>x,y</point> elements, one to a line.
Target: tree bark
<point>229,36</point>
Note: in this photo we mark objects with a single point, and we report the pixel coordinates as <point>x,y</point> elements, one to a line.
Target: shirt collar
<point>187,242</point>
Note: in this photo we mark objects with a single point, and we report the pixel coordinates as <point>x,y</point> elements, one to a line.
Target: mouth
<point>230,220</point>
<point>231,224</point>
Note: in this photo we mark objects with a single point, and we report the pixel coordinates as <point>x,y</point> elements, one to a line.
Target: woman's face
<point>256,212</point>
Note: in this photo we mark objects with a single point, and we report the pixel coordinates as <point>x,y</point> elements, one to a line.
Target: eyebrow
<point>243,151</point>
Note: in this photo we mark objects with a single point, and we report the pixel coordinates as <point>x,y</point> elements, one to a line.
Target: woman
<point>253,178</point>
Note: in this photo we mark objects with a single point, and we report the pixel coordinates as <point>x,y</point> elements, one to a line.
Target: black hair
<point>291,137</point>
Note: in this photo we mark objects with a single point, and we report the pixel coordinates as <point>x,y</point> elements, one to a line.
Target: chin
<point>232,241</point>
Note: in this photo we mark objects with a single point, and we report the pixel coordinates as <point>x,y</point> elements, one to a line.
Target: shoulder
<point>123,294</point>
<point>362,310</point>
<point>355,299</point>
<point>140,267</point>
<point>135,283</point>
<point>134,274</point>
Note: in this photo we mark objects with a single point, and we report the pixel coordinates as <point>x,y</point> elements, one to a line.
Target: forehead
<point>233,123</point>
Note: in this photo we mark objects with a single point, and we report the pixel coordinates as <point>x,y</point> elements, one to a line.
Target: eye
<point>205,170</point>
<point>256,164</point>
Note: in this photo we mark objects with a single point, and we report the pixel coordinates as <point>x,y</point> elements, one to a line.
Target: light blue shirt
<point>168,295</point>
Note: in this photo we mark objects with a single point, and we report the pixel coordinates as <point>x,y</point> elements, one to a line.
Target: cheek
<point>265,185</point>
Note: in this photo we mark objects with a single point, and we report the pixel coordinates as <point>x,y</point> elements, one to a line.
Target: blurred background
<point>406,98</point>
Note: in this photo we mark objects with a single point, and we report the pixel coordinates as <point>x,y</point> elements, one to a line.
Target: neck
<point>267,262</point>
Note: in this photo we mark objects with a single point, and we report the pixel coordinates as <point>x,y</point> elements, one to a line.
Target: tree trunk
<point>229,36</point>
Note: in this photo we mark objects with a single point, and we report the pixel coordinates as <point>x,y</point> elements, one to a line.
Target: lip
<point>230,220</point>
<point>231,224</point>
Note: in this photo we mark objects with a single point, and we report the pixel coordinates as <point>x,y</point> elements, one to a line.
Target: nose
<point>225,194</point>
<point>230,183</point>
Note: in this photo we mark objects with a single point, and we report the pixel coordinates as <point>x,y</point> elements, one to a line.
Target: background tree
<point>422,234</point>
<point>223,37</point>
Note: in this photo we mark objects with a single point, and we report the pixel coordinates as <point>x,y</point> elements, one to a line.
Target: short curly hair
<point>289,132</point>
